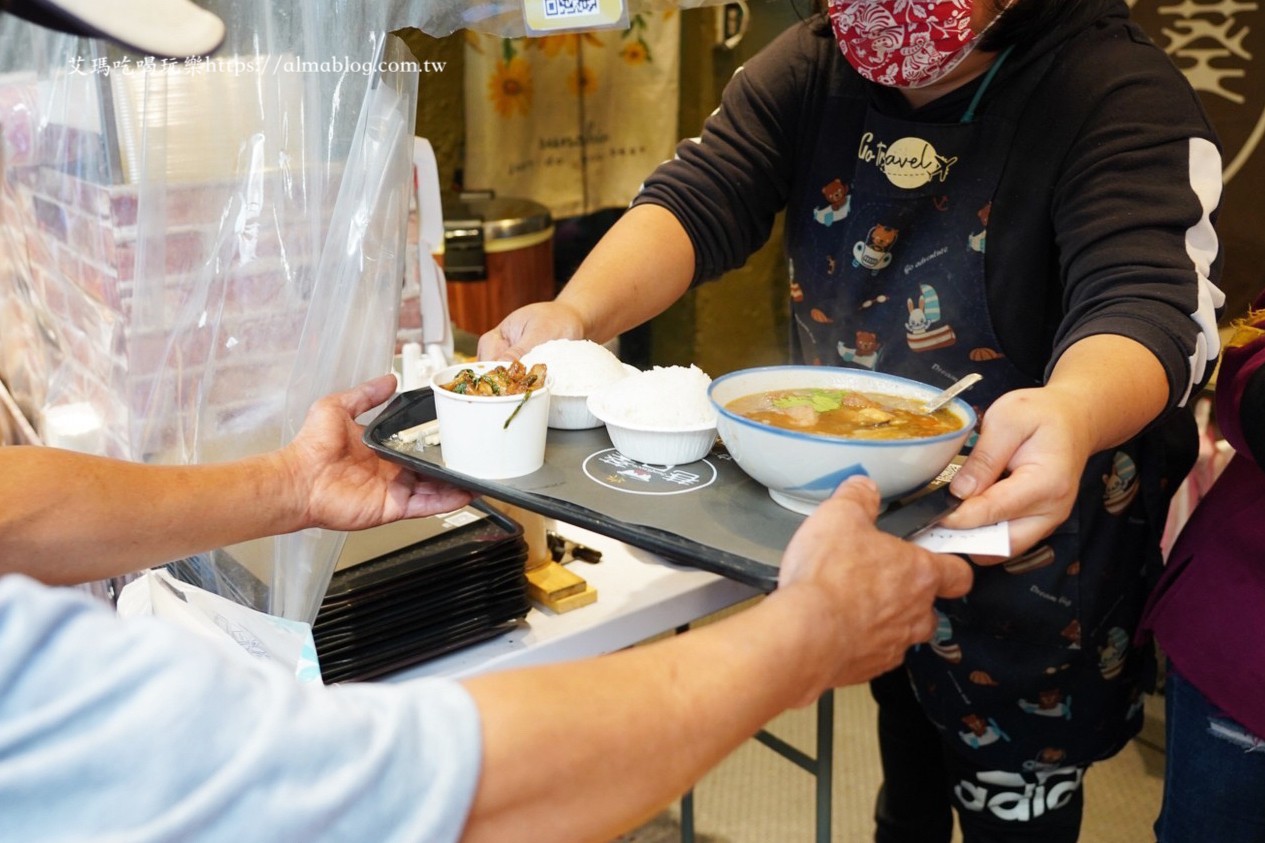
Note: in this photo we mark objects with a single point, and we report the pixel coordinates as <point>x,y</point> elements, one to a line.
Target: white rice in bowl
<point>661,398</point>
<point>577,367</point>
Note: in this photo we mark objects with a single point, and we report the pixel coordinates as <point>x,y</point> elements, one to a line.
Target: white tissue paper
<point>238,630</point>
<point>76,427</point>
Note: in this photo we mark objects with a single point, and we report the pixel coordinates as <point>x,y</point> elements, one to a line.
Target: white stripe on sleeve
<point>1202,246</point>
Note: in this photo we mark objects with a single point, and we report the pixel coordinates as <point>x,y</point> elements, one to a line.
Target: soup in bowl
<point>802,430</point>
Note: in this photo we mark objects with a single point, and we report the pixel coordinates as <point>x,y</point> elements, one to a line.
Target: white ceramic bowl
<point>661,443</point>
<point>661,447</point>
<point>571,412</point>
<point>803,469</point>
<point>490,436</point>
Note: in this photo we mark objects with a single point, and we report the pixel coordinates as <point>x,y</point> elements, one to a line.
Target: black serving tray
<point>708,514</point>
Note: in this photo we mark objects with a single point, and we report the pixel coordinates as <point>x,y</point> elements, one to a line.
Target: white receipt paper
<point>992,540</point>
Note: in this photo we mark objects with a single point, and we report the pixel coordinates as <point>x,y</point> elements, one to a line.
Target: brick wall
<point>139,312</point>
<point>175,309</point>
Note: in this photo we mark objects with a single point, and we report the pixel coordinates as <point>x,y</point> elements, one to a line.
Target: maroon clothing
<point>1208,611</point>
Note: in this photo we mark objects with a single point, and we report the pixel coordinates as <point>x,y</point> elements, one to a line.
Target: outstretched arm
<point>1103,391</point>
<point>567,753</point>
<point>585,751</point>
<point>67,517</point>
<point>635,272</point>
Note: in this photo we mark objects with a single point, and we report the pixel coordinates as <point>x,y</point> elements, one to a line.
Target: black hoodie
<point>1098,220</point>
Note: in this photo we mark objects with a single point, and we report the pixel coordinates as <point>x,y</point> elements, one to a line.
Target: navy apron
<point>1033,670</point>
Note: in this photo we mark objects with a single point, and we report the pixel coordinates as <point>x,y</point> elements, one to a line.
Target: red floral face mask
<point>903,43</point>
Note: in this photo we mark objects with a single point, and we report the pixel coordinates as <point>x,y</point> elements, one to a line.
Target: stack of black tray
<point>405,606</point>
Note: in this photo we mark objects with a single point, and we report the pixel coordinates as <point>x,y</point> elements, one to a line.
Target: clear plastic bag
<point>196,250</point>
<point>192,251</point>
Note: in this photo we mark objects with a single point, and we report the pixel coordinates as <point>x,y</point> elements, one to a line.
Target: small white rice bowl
<point>661,416</point>
<point>576,368</point>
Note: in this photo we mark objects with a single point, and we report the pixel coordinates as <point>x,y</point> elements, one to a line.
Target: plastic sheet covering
<point>194,251</point>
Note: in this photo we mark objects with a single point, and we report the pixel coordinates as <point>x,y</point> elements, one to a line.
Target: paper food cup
<point>492,437</point>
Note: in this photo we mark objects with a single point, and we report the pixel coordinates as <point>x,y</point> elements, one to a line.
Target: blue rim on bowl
<point>967,410</point>
<point>801,469</point>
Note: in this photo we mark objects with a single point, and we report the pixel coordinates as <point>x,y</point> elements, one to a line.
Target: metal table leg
<point>687,801</point>
<point>822,767</point>
<point>825,763</point>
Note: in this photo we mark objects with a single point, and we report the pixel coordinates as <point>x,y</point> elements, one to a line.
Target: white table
<point>639,596</point>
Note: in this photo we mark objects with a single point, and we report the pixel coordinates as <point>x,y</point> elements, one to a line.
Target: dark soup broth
<point>845,413</point>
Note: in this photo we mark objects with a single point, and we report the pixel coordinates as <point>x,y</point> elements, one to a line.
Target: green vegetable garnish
<point>526,395</point>
<point>821,400</point>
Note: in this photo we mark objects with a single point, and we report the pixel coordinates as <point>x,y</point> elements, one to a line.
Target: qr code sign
<point>571,8</point>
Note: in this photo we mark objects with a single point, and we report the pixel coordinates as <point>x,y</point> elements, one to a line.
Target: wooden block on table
<point>573,601</point>
<point>552,581</point>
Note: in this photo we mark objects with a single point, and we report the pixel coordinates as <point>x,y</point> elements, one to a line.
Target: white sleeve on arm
<point>138,731</point>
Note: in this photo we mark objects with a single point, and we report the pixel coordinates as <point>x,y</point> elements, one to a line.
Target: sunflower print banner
<point>573,121</point>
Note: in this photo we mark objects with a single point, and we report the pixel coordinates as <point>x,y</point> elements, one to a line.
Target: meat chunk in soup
<point>844,413</point>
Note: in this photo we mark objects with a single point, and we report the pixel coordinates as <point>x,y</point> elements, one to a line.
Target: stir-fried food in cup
<point>514,380</point>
